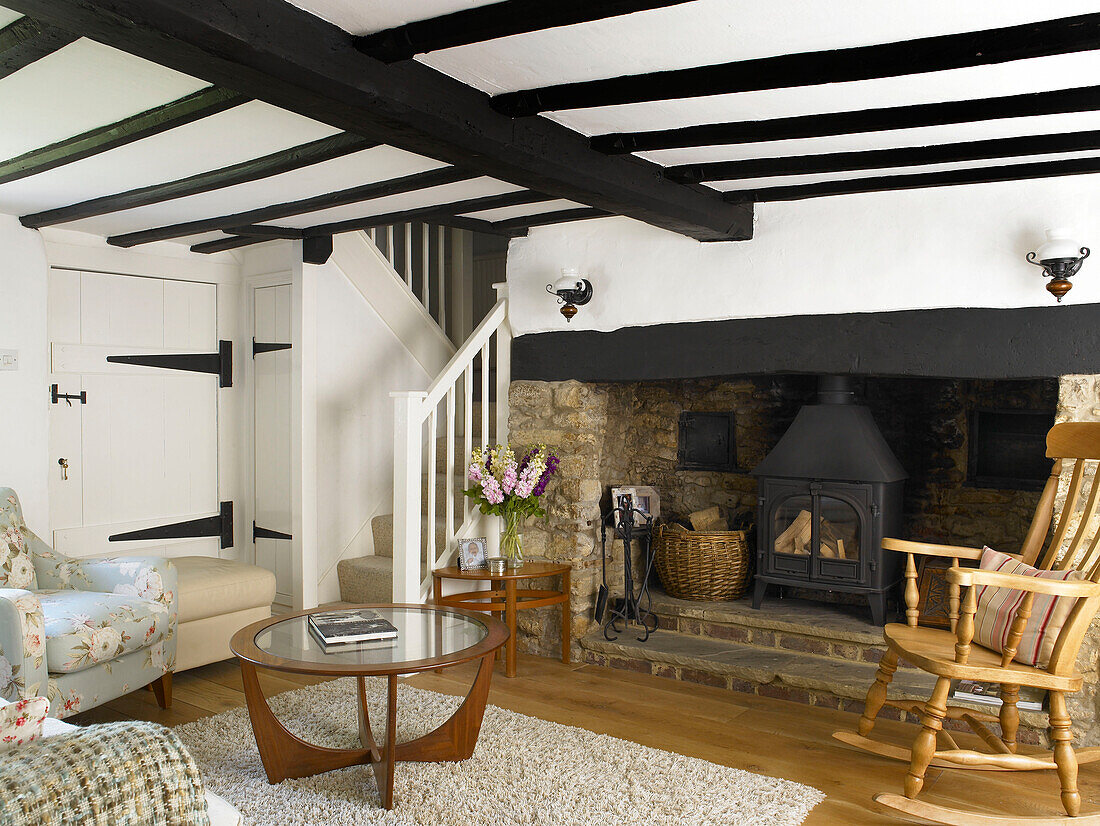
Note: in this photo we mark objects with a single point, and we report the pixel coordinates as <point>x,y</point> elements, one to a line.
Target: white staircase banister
<point>408,440</point>
<point>411,410</point>
<point>466,353</point>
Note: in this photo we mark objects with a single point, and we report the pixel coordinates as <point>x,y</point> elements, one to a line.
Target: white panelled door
<point>272,366</point>
<point>142,451</point>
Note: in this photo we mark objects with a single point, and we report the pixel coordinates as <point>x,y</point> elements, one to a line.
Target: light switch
<point>9,359</point>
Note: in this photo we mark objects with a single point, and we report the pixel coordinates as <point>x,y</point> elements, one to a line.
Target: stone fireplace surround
<point>626,432</point>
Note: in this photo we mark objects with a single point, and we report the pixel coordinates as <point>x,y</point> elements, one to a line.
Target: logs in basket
<point>702,565</point>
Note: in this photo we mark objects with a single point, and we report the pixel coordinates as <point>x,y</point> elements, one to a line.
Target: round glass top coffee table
<point>428,637</point>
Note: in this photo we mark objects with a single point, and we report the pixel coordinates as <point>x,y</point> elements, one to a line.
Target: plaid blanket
<point>114,774</point>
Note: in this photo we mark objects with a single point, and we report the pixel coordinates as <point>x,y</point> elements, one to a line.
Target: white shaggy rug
<point>524,771</point>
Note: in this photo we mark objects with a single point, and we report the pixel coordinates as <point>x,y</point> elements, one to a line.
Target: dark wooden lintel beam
<point>922,180</point>
<point>286,160</point>
<point>884,158</point>
<point>546,218</point>
<point>908,57</point>
<point>280,54</point>
<point>354,195</point>
<point>1060,101</point>
<point>201,104</point>
<point>26,40</point>
<point>491,21</point>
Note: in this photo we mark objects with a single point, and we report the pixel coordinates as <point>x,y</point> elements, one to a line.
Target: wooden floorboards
<point>758,734</point>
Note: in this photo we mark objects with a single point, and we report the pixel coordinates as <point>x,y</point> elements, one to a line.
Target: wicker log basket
<point>702,565</point>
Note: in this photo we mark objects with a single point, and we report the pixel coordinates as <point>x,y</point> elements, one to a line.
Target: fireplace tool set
<point>628,608</point>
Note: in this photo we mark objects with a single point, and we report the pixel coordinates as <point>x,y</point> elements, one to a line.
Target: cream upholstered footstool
<point>217,598</point>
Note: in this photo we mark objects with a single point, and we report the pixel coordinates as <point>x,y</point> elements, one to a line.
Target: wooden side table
<point>510,598</point>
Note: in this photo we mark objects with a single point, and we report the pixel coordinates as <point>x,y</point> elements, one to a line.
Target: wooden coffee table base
<point>285,755</point>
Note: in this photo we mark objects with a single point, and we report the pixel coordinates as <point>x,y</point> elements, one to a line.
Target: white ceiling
<point>7,17</point>
<point>791,180</point>
<point>461,191</point>
<point>235,135</point>
<point>80,87</point>
<point>86,85</point>
<point>364,167</point>
<point>890,139</point>
<point>504,213</point>
<point>718,31</point>
<point>1018,77</point>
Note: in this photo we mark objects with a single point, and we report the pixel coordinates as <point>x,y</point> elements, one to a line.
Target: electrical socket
<point>9,359</point>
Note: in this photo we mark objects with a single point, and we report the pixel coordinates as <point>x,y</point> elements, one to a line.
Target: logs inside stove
<point>829,491</point>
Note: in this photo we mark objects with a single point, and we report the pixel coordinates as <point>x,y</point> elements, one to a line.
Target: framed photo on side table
<point>473,553</point>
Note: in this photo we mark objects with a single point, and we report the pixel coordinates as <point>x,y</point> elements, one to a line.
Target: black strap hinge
<point>219,363</point>
<point>267,533</point>
<point>268,346</point>
<point>220,526</point>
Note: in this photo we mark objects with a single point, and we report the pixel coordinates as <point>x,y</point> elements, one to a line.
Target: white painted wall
<point>24,400</point>
<point>360,359</point>
<point>960,246</point>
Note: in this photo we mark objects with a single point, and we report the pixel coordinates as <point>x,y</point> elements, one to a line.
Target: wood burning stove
<point>828,493</point>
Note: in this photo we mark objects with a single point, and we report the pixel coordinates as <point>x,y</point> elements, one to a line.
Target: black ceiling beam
<point>907,57</point>
<point>343,197</point>
<point>248,236</point>
<point>222,244</point>
<point>547,218</point>
<point>201,104</point>
<point>1060,101</point>
<point>27,40</point>
<point>922,180</point>
<point>478,225</point>
<point>434,212</point>
<point>885,158</point>
<point>288,233</point>
<point>286,160</point>
<point>289,58</point>
<point>492,21</point>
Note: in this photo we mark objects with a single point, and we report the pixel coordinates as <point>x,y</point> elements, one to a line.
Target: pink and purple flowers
<point>504,484</point>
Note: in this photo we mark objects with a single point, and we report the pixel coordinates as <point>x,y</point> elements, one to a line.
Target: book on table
<point>355,625</point>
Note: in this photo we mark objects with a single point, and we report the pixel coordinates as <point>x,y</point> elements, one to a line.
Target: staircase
<point>369,579</point>
<point>435,431</point>
<point>820,655</point>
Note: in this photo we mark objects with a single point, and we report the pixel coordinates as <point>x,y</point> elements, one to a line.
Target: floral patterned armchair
<point>81,631</point>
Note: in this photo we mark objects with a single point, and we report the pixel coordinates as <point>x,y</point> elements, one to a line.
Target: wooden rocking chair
<point>953,655</point>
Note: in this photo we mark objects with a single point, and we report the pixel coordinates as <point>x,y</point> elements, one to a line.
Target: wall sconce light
<point>1060,257</point>
<point>571,290</point>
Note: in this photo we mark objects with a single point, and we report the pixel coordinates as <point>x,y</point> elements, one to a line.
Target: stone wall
<point>610,433</point>
<point>1079,401</point>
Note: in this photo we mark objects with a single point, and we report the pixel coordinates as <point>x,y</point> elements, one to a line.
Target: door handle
<point>64,469</point>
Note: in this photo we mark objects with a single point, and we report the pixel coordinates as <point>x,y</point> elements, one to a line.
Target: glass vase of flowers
<point>510,487</point>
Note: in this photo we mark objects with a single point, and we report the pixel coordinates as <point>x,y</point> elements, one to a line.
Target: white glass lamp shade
<point>1059,244</point>
<point>568,280</point>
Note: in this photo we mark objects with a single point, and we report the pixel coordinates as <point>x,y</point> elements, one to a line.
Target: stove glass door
<point>838,529</point>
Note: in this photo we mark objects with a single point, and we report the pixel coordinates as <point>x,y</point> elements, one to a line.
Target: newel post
<point>504,366</point>
<point>408,443</point>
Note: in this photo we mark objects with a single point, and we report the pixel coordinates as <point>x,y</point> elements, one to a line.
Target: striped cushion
<point>997,608</point>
